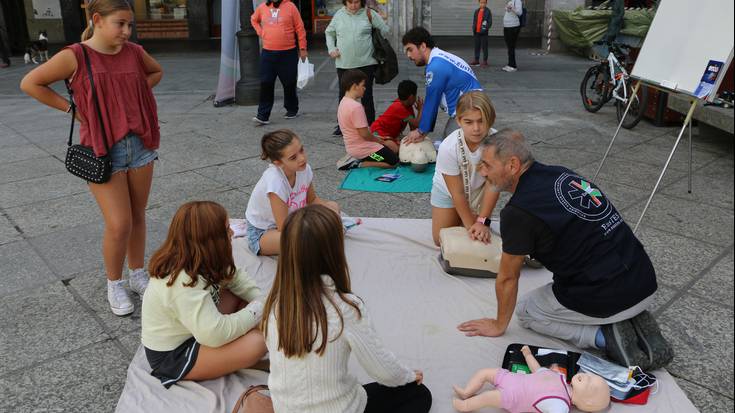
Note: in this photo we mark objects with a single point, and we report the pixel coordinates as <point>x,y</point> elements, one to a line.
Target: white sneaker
<point>118,297</point>
<point>509,69</point>
<point>344,162</point>
<point>138,280</point>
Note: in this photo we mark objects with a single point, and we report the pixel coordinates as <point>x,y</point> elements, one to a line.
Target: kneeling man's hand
<point>487,327</point>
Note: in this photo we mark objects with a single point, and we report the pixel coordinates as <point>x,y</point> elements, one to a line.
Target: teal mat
<point>363,179</point>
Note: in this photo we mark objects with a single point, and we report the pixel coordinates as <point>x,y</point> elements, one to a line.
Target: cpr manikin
<point>543,390</point>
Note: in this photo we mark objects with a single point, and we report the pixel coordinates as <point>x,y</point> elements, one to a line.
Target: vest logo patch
<point>580,198</point>
<point>429,78</point>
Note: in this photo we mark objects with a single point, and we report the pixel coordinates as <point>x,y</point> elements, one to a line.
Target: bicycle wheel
<point>595,88</point>
<point>637,108</point>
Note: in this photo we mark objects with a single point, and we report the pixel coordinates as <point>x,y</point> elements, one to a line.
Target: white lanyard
<point>467,174</point>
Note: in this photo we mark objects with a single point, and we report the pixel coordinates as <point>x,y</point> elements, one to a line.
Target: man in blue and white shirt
<point>447,78</point>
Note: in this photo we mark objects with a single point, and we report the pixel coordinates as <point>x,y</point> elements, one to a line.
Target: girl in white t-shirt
<point>285,186</point>
<point>459,194</point>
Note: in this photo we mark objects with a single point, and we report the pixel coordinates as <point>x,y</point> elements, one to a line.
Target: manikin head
<point>505,156</point>
<point>417,44</point>
<point>590,393</point>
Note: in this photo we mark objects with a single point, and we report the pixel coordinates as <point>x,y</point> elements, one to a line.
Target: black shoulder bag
<point>382,52</point>
<point>81,160</point>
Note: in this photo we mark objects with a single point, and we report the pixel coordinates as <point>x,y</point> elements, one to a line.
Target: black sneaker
<point>652,341</point>
<point>291,115</point>
<point>337,131</point>
<point>621,345</point>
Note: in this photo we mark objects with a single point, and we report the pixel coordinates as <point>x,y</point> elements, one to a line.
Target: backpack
<point>383,52</point>
<point>523,18</point>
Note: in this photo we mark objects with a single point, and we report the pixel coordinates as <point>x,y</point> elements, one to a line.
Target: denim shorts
<point>129,153</point>
<point>440,199</point>
<point>254,235</point>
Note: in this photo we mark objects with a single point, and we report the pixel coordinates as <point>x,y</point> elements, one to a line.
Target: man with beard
<point>603,280</point>
<point>447,78</point>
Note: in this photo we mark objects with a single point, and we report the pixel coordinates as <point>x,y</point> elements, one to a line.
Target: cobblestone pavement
<point>62,350</point>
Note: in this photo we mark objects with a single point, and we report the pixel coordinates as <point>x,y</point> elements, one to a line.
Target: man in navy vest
<point>603,280</point>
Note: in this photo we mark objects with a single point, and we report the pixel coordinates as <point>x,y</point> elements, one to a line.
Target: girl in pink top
<point>123,76</point>
<point>543,391</point>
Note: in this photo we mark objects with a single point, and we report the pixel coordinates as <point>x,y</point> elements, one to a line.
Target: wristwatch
<point>484,221</point>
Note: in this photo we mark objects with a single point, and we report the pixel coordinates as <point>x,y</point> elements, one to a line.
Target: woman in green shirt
<point>349,41</point>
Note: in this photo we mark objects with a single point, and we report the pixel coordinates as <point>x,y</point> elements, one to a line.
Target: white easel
<point>704,32</point>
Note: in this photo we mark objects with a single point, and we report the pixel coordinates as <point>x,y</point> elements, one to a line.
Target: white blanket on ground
<point>415,307</point>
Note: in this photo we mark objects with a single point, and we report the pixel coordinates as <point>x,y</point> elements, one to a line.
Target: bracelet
<point>484,221</point>
<point>69,108</point>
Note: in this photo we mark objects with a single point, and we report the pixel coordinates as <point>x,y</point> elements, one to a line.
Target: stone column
<point>247,90</point>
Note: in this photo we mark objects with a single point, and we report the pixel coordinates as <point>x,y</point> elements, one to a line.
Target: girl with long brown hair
<point>123,75</point>
<point>313,322</point>
<point>195,322</point>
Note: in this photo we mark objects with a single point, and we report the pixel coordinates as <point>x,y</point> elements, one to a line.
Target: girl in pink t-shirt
<point>365,149</point>
<point>124,75</point>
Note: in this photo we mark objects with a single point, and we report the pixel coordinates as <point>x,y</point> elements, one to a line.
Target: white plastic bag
<point>306,72</point>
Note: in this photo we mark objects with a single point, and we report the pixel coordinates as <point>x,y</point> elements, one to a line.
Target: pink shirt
<point>351,116</point>
<point>279,27</point>
<point>521,393</point>
<point>126,101</point>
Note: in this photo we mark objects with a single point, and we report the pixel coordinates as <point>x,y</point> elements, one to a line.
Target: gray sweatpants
<point>540,311</point>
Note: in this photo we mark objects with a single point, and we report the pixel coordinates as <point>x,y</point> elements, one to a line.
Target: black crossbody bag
<point>81,160</point>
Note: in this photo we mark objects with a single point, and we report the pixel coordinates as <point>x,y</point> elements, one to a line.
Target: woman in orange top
<point>278,23</point>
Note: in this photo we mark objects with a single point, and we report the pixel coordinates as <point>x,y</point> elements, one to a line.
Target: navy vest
<point>600,268</point>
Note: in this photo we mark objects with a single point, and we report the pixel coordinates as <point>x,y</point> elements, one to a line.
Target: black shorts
<point>383,155</point>
<point>172,366</point>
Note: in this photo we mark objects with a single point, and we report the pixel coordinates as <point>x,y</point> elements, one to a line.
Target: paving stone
<point>130,340</point>
<point>657,151</point>
<point>595,141</point>
<point>92,288</point>
<point>662,296</point>
<point>630,173</point>
<point>88,380</point>
<point>717,283</point>
<point>234,200</point>
<point>551,154</point>
<point>86,253</point>
<point>327,181</point>
<point>704,399</point>
<point>676,259</point>
<point>57,214</point>
<point>20,153</point>
<point>692,219</point>
<point>8,138</point>
<point>700,333</point>
<point>8,233</point>
<point>43,323</point>
<point>236,173</point>
<point>178,186</point>
<point>40,189</point>
<point>705,189</point>
<point>29,169</point>
<point>22,268</point>
<point>722,168</point>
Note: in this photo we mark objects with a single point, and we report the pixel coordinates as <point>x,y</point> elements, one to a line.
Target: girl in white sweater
<point>314,322</point>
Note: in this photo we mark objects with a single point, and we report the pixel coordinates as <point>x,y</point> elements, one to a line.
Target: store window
<point>166,9</point>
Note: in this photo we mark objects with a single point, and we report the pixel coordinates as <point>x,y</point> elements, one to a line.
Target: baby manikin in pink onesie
<point>543,390</point>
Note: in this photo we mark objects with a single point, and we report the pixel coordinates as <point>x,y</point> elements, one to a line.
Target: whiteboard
<point>684,36</point>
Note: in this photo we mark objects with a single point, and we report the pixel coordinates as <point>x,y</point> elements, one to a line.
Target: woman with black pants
<point>349,41</point>
<point>511,29</point>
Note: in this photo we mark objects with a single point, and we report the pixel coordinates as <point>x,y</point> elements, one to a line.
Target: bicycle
<point>609,80</point>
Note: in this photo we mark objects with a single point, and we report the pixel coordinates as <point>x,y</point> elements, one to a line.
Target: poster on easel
<point>709,79</point>
<point>46,9</point>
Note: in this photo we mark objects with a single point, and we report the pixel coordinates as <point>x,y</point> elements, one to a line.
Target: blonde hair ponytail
<point>103,8</point>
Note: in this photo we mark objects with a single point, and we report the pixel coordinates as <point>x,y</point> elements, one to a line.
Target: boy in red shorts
<point>390,125</point>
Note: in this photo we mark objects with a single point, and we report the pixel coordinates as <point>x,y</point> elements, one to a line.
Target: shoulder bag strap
<point>94,97</point>
<point>369,16</point>
<point>73,107</point>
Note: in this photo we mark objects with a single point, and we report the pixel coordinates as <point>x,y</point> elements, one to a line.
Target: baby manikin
<point>543,390</point>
